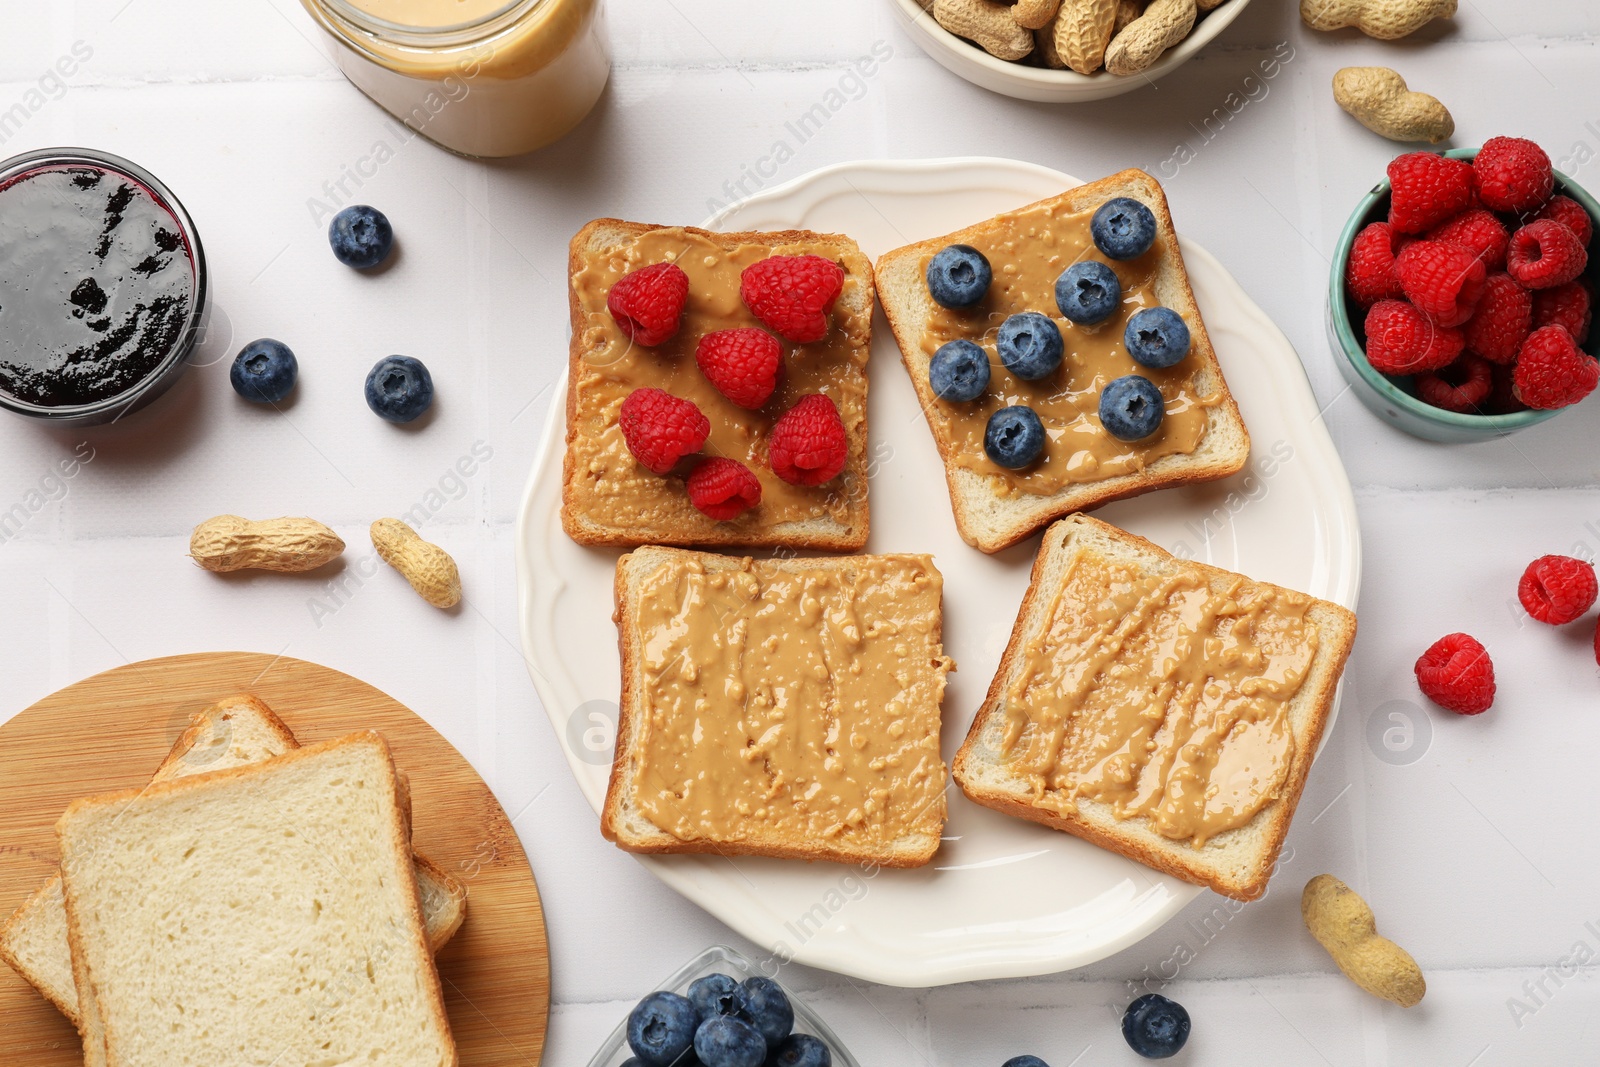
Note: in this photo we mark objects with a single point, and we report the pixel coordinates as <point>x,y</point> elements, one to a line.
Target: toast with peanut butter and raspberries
<point>1163,709</point>
<point>717,388</point>
<point>1016,332</point>
<point>785,708</point>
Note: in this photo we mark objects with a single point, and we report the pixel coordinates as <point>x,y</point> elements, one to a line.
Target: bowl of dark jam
<point>103,289</point>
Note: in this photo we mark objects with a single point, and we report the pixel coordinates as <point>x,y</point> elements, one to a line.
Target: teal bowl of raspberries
<point>722,1009</point>
<point>1461,289</point>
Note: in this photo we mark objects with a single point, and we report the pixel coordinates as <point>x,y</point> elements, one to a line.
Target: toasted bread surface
<point>1028,248</point>
<point>774,646</point>
<point>1235,862</point>
<point>234,732</point>
<point>608,497</point>
<point>307,904</point>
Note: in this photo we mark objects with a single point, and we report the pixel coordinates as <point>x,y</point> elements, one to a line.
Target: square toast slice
<point>1163,709</point>
<point>1202,436</point>
<point>785,708</point>
<point>305,909</point>
<point>233,732</point>
<point>608,497</point>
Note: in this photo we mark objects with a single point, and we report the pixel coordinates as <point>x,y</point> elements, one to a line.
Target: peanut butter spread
<point>1160,696</point>
<point>799,703</point>
<point>1028,250</point>
<point>623,493</point>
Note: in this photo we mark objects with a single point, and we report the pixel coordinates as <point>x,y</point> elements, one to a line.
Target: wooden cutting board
<point>111,731</point>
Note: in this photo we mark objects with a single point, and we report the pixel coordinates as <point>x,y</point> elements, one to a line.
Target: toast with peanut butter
<point>1163,709</point>
<point>785,708</point>
<point>608,496</point>
<point>234,732</point>
<point>1201,436</point>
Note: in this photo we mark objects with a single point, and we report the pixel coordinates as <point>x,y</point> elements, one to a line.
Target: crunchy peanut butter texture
<point>622,492</point>
<point>1028,251</point>
<point>1161,696</point>
<point>795,702</point>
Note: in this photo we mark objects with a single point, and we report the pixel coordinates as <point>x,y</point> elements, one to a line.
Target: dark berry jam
<point>97,284</point>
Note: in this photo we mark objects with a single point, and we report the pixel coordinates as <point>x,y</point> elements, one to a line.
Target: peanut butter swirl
<point>622,493</point>
<point>1028,250</point>
<point>1161,696</point>
<point>801,703</point>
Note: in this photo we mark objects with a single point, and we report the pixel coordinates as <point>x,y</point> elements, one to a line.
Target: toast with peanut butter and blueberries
<point>717,388</point>
<point>1163,709</point>
<point>1060,359</point>
<point>785,708</point>
<point>234,732</point>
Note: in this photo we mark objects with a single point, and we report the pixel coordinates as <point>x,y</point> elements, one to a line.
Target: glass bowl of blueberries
<point>721,1010</point>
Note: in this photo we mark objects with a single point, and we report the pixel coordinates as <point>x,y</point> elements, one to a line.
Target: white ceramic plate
<point>1003,898</point>
<point>1027,82</point>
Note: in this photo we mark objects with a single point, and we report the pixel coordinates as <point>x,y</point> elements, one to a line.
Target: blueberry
<point>1029,345</point>
<point>399,388</point>
<point>1088,291</point>
<point>264,371</point>
<point>1015,1061</point>
<point>958,276</point>
<point>768,1008</point>
<point>724,1041</point>
<point>800,1050</point>
<point>1123,228</point>
<point>959,371</point>
<point>716,994</point>
<point>1156,337</point>
<point>661,1029</point>
<point>1155,1027</point>
<point>1014,437</point>
<point>1131,408</point>
<point>361,236</point>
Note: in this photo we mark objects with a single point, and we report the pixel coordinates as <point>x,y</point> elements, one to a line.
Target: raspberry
<point>1402,340</point>
<point>661,429</point>
<point>1443,281</point>
<point>1512,174</point>
<point>1545,254</point>
<point>1569,213</point>
<point>1565,305</point>
<point>792,294</point>
<point>1463,386</point>
<point>1502,394</point>
<point>808,444</point>
<point>744,364</point>
<point>648,303</point>
<point>1456,673</point>
<point>1552,372</point>
<point>723,488</point>
<point>1370,275</point>
<point>1479,232</point>
<point>1426,189</point>
<point>1558,589</point>
<point>1501,321</point>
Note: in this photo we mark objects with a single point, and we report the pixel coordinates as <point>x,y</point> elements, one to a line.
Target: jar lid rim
<point>350,12</point>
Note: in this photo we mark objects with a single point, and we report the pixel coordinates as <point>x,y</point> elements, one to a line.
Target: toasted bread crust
<point>1337,626</point>
<point>631,707</point>
<point>694,529</point>
<point>1030,513</point>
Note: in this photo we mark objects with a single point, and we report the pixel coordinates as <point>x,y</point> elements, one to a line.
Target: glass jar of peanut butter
<point>487,78</point>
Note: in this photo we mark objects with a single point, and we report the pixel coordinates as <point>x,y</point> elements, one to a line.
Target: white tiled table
<point>1479,855</point>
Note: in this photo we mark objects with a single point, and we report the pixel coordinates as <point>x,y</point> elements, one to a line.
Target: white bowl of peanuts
<point>1064,51</point>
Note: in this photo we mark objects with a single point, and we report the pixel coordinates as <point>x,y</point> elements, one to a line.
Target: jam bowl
<point>103,288</point>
